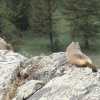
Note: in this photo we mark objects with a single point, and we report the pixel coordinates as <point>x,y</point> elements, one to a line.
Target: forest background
<point>35,27</point>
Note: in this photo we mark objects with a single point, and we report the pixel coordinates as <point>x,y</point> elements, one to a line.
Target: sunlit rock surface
<point>9,62</point>
<point>46,67</point>
<point>48,78</point>
<point>76,84</point>
<point>28,88</point>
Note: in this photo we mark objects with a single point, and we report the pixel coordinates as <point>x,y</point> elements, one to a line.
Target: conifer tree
<point>20,10</point>
<point>6,26</point>
<point>41,20</point>
<point>84,19</point>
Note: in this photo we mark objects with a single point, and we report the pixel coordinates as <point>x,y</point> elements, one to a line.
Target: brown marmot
<point>4,45</point>
<point>76,57</point>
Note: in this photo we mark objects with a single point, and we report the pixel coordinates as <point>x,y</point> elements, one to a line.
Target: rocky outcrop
<point>27,89</point>
<point>46,67</point>
<point>76,84</point>
<point>9,62</point>
<point>45,78</point>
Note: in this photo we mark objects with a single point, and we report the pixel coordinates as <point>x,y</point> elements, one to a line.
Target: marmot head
<point>9,47</point>
<point>73,45</point>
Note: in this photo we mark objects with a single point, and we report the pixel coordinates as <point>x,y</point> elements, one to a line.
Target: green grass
<point>37,45</point>
<point>32,45</point>
<point>95,53</point>
<point>96,59</point>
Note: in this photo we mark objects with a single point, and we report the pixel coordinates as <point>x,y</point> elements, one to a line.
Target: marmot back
<point>76,57</point>
<point>4,45</point>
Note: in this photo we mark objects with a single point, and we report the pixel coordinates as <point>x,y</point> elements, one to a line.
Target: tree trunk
<point>86,44</point>
<point>51,41</point>
<point>50,25</point>
<point>0,25</point>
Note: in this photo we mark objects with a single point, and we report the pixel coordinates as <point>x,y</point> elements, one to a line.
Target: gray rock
<point>46,67</point>
<point>27,89</point>
<point>63,81</point>
<point>76,84</point>
<point>9,62</point>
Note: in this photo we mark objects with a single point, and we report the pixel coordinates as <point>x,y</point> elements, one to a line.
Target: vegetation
<point>45,26</point>
<point>40,19</point>
<point>84,19</point>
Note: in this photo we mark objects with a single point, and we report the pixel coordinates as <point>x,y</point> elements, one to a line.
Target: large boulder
<point>46,67</point>
<point>76,84</point>
<point>45,78</point>
<point>27,89</point>
<point>9,62</point>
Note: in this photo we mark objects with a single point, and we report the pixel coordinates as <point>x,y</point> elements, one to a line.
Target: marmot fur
<point>4,45</point>
<point>76,57</point>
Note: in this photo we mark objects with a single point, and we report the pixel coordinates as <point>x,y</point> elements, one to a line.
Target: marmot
<point>76,57</point>
<point>4,45</point>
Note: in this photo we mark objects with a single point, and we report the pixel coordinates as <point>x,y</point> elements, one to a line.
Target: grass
<point>32,45</point>
<point>96,59</point>
<point>94,54</point>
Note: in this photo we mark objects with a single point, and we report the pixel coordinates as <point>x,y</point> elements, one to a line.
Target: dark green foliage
<point>43,18</point>
<point>13,17</point>
<point>20,13</point>
<point>41,21</point>
<point>56,45</point>
<point>41,15</point>
<point>84,19</point>
<point>6,26</point>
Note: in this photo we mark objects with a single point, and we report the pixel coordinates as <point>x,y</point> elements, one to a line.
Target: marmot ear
<point>77,42</point>
<point>72,42</point>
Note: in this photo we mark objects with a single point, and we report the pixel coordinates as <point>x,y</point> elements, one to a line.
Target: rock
<point>9,62</point>
<point>76,84</point>
<point>27,89</point>
<point>46,67</point>
<point>25,78</point>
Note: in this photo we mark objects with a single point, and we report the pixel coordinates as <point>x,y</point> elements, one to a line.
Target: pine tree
<point>6,26</point>
<point>20,13</point>
<point>41,18</point>
<point>84,19</point>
